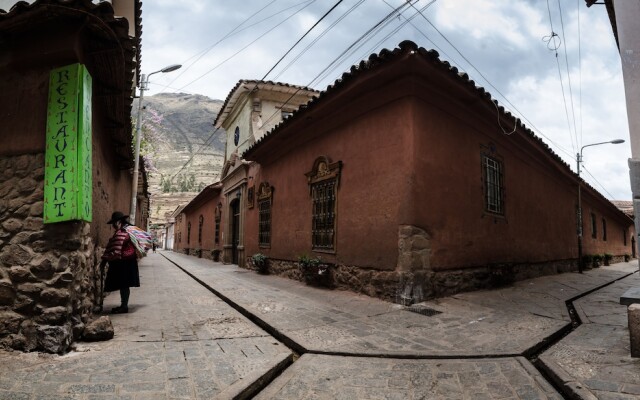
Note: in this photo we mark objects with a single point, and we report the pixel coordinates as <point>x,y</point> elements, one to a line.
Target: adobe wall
<point>370,197</point>
<point>539,222</point>
<point>48,273</point>
<point>206,246</point>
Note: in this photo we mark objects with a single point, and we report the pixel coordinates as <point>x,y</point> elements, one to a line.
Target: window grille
<point>264,222</point>
<point>494,189</point>
<point>594,226</point>
<point>324,202</point>
<point>324,180</point>
<point>200,223</point>
<point>604,229</point>
<point>189,233</point>
<point>265,200</point>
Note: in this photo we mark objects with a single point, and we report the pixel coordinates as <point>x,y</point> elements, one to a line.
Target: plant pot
<point>317,275</point>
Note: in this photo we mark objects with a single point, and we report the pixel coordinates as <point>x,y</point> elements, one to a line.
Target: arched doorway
<point>235,229</point>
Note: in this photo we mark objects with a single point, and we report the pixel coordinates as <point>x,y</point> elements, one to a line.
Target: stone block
<point>20,238</point>
<point>20,274</point>
<point>7,293</point>
<point>633,315</point>
<point>26,185</point>
<point>42,268</point>
<point>420,243</point>
<point>24,304</point>
<point>54,315</point>
<point>37,209</point>
<point>53,339</point>
<point>15,255</point>
<point>99,329</point>
<point>12,225</point>
<point>34,223</point>
<point>10,322</point>
<point>55,297</point>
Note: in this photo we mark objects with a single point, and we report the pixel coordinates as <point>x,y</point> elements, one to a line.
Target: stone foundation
<point>392,285</point>
<point>47,272</point>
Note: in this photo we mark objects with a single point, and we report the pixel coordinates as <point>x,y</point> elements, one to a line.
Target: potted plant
<point>215,254</point>
<point>597,259</point>
<point>607,259</point>
<point>627,258</point>
<point>587,260</point>
<point>260,262</point>
<point>314,271</point>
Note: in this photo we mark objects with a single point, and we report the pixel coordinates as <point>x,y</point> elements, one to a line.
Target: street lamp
<point>579,159</point>
<point>144,81</point>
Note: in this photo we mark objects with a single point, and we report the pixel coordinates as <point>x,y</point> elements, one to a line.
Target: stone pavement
<point>182,341</point>
<point>177,342</point>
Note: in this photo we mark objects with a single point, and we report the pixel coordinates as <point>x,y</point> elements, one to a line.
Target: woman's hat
<point>117,216</point>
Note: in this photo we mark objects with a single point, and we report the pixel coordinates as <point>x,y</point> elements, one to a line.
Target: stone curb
<point>249,386</point>
<point>575,390</point>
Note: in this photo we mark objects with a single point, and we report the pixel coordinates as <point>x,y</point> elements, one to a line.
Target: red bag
<point>128,250</point>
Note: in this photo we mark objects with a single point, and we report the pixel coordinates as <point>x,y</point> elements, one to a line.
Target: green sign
<point>68,169</point>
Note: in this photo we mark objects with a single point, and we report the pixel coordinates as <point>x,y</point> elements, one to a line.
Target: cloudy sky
<point>570,97</point>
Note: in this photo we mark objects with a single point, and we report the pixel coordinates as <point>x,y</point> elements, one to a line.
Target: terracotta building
<point>68,71</point>
<point>198,225</point>
<point>625,22</point>
<point>400,177</point>
<point>251,109</point>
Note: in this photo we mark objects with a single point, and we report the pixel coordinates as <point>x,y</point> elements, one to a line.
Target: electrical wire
<point>245,47</point>
<point>529,123</point>
<point>303,36</point>
<point>391,15</point>
<point>564,98</point>
<point>264,77</point>
<point>566,59</point>
<point>204,52</point>
<point>580,71</point>
<point>295,59</point>
<point>599,184</point>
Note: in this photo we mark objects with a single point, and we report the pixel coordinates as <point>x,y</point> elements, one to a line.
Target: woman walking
<point>123,265</point>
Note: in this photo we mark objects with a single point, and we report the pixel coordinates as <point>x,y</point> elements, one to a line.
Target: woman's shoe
<point>119,310</point>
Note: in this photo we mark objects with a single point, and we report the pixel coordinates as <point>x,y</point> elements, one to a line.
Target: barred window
<point>624,236</point>
<point>324,203</point>
<point>493,182</point>
<point>324,180</point>
<point>217,221</point>
<point>604,229</point>
<point>264,224</point>
<point>265,199</point>
<point>200,223</point>
<point>189,233</point>
<point>594,226</point>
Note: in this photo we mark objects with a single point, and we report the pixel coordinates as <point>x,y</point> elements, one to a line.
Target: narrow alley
<point>202,330</point>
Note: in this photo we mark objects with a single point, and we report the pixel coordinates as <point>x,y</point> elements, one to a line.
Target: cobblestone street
<point>202,330</point>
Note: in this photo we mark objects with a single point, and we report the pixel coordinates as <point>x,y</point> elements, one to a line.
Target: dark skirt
<point>122,274</point>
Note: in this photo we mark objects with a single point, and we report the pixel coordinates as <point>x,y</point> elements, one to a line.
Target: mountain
<point>183,151</point>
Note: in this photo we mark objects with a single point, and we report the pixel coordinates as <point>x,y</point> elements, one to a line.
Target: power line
<point>319,37</point>
<point>245,47</point>
<point>303,36</point>
<point>566,110</point>
<point>263,78</point>
<point>580,70</point>
<point>599,184</point>
<point>490,84</point>
<point>566,59</point>
<point>208,49</point>
<point>387,17</point>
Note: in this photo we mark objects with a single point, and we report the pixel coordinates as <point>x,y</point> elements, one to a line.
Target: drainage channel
<point>531,354</point>
<point>534,353</point>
